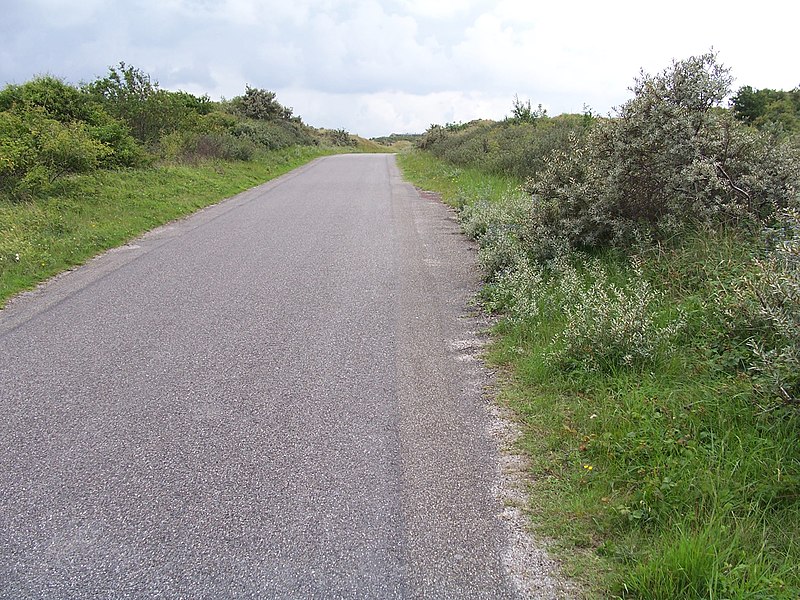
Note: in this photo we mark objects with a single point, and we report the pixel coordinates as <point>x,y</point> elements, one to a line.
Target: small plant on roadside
<point>497,226</point>
<point>777,287</point>
<point>521,292</point>
<point>606,324</point>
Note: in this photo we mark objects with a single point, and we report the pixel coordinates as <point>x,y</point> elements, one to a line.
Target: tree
<point>523,113</point>
<point>767,107</point>
<point>261,105</point>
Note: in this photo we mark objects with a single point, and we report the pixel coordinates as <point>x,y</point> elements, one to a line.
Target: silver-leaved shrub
<point>671,159</point>
<point>777,288</point>
<point>497,226</point>
<point>608,324</point>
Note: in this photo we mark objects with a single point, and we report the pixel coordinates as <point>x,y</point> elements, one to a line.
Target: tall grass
<point>459,186</point>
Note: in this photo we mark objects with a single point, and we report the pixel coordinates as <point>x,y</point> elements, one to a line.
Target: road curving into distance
<point>268,399</point>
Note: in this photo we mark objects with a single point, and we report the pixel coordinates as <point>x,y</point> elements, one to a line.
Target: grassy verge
<point>457,185</point>
<point>673,477</point>
<point>85,215</point>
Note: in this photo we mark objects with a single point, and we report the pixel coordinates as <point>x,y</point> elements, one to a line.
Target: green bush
<point>602,320</point>
<point>192,147</point>
<point>519,146</point>
<point>35,150</point>
<point>337,137</point>
<point>608,325</point>
<point>132,96</point>
<point>272,135</point>
<point>113,133</point>
<point>66,104</point>
<point>497,225</point>
<point>768,108</point>
<point>260,105</point>
<point>216,121</point>
<point>671,160</point>
<point>744,292</point>
<point>523,150</point>
<point>59,100</point>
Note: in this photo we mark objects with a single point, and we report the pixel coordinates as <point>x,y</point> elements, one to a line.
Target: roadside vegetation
<point>646,266</point>
<point>85,168</point>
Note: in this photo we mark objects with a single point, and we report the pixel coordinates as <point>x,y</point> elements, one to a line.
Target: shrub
<point>523,113</point>
<point>337,137</point>
<point>131,95</point>
<point>272,135</point>
<point>59,100</point>
<point>113,133</point>
<point>191,147</point>
<point>260,105</point>
<point>777,288</point>
<point>521,291</point>
<point>523,149</point>
<point>216,121</point>
<point>669,161</point>
<point>519,146</point>
<point>766,108</point>
<point>608,325</point>
<point>602,320</point>
<point>64,149</point>
<point>36,150</point>
<point>496,226</point>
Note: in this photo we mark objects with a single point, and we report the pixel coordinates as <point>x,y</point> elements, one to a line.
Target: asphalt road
<point>271,398</point>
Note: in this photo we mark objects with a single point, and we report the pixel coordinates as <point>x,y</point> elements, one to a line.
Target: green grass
<point>85,215</point>
<point>457,185</point>
<point>672,479</point>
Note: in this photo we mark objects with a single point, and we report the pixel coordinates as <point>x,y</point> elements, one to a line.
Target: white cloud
<point>437,9</point>
<point>382,113</point>
<point>376,66</point>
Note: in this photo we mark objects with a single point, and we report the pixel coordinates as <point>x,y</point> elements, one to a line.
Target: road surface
<point>271,398</point>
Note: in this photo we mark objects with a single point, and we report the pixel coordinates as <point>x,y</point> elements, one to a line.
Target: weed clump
<point>609,325</point>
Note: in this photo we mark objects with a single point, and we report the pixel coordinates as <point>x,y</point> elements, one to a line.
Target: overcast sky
<point>375,67</point>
